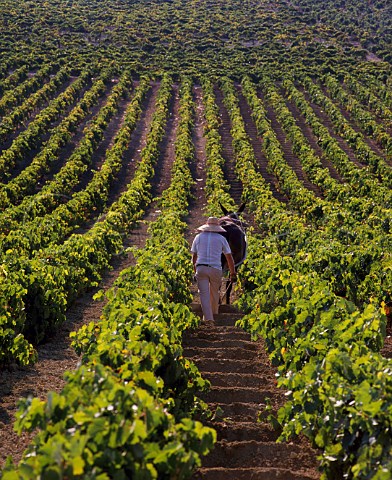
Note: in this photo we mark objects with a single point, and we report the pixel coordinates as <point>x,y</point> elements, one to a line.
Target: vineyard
<point>116,142</point>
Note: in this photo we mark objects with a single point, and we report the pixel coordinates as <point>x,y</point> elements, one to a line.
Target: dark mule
<point>235,235</point>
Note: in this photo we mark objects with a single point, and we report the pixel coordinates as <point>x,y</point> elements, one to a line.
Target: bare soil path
<point>242,382</point>
<point>239,370</point>
<point>198,202</point>
<point>227,149</point>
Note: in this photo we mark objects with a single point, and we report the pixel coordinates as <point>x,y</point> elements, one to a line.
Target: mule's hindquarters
<point>237,242</point>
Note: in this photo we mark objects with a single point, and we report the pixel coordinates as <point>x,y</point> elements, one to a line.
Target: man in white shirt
<point>207,249</point>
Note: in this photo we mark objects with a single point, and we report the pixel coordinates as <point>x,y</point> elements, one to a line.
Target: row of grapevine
<point>363,181</point>
<point>294,190</point>
<point>368,96</point>
<point>49,220</point>
<point>35,292</point>
<point>21,115</point>
<point>362,116</point>
<point>30,138</point>
<point>298,195</point>
<point>13,79</point>
<point>25,183</point>
<point>126,412</point>
<point>326,348</point>
<point>380,88</point>
<point>347,195</point>
<point>17,93</point>
<point>355,139</point>
<point>358,223</point>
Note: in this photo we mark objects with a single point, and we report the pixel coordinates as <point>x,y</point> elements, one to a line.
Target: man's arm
<point>230,264</point>
<point>194,259</point>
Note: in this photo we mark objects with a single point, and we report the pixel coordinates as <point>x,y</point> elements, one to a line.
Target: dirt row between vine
<point>242,384</point>
<point>242,380</point>
<point>227,149</point>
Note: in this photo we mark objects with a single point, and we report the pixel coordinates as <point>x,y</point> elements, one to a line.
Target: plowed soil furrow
<point>233,379</point>
<point>227,149</point>
<point>242,384</point>
<point>312,140</point>
<point>162,177</point>
<point>257,144</point>
<point>370,142</point>
<point>326,121</point>
<point>265,454</point>
<point>292,160</point>
<point>253,474</point>
<point>198,167</point>
<point>386,351</point>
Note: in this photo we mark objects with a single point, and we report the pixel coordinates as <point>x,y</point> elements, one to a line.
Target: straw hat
<point>212,225</point>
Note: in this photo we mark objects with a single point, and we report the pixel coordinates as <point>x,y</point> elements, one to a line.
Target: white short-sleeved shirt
<point>209,247</point>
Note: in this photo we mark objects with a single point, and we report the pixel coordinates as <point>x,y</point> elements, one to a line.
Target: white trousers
<point>209,280</point>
